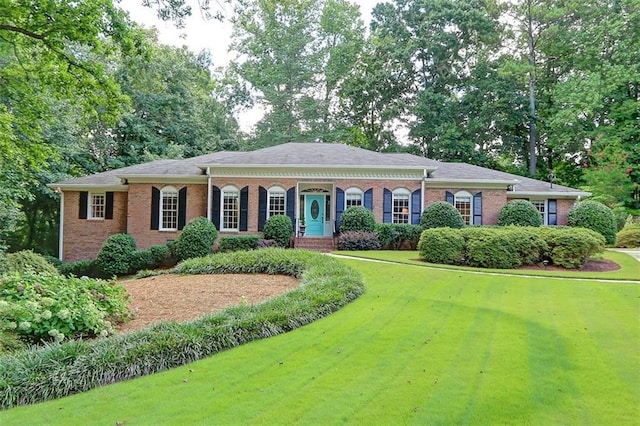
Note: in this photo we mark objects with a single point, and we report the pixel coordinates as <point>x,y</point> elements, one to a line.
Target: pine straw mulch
<point>173,297</point>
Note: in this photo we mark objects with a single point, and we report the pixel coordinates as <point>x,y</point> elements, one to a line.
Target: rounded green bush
<point>441,215</point>
<point>596,216</point>
<point>442,245</point>
<point>357,219</point>
<point>116,255</point>
<point>520,213</point>
<point>26,260</point>
<point>571,248</point>
<point>196,239</point>
<point>280,229</point>
<point>628,237</point>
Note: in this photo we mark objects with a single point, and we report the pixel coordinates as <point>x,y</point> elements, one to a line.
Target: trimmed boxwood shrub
<point>594,215</point>
<point>442,245</point>
<point>151,258</point>
<point>358,240</point>
<point>58,370</point>
<point>25,260</point>
<point>238,242</point>
<point>628,237</point>
<point>79,268</point>
<point>520,213</point>
<point>394,236</point>
<point>115,256</point>
<point>196,239</point>
<point>279,228</point>
<point>572,247</point>
<point>357,218</point>
<point>440,215</point>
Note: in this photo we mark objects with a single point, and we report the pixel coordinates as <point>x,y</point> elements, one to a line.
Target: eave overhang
<point>318,172</point>
<point>548,194</point>
<point>474,183</point>
<point>87,187</point>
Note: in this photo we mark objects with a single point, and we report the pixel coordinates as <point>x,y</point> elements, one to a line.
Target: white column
<point>61,237</point>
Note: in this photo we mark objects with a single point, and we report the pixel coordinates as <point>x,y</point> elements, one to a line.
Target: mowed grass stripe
<point>421,346</point>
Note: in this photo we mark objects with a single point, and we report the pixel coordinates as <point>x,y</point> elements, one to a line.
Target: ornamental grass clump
<point>70,367</point>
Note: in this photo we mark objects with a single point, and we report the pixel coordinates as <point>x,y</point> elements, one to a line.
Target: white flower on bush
<point>4,304</point>
<point>63,314</point>
<point>104,333</point>
<point>31,305</point>
<point>46,315</point>
<point>57,336</point>
<point>24,325</point>
<point>12,325</point>
<point>47,302</point>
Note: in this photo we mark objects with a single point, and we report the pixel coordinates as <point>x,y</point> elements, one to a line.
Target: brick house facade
<point>316,182</point>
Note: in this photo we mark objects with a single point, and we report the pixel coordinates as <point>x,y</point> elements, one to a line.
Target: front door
<point>314,215</point>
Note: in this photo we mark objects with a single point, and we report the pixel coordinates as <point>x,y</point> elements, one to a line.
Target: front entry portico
<point>314,214</point>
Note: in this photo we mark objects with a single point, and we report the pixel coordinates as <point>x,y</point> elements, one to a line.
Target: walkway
<point>633,252</point>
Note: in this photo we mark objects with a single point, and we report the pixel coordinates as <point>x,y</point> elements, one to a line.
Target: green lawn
<point>421,346</point>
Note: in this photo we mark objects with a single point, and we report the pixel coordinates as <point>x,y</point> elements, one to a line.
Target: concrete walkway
<point>633,252</point>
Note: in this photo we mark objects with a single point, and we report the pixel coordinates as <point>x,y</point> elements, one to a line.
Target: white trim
<point>404,192</point>
<point>169,179</point>
<point>209,194</point>
<point>276,189</point>
<point>353,190</point>
<point>545,215</point>
<point>90,196</point>
<point>547,194</point>
<point>476,183</point>
<point>86,187</point>
<point>61,237</point>
<point>229,189</point>
<point>465,194</point>
<point>164,190</point>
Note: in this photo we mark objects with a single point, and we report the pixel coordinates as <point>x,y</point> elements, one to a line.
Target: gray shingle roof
<point>321,155</point>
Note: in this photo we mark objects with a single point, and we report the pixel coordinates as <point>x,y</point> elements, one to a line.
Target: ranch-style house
<point>313,183</point>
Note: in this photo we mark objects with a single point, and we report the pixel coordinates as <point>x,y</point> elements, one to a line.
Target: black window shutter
<point>449,198</point>
<point>339,206</point>
<point>552,214</point>
<point>387,201</point>
<point>155,208</point>
<point>416,209</point>
<point>262,207</point>
<point>477,209</point>
<point>182,208</point>
<point>244,208</point>
<point>291,204</point>
<point>368,199</point>
<point>82,211</point>
<point>108,205</point>
<point>215,206</point>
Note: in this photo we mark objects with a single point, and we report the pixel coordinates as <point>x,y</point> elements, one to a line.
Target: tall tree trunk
<point>532,96</point>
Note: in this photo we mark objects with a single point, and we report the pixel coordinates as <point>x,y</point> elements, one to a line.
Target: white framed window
<point>541,206</point>
<point>230,208</point>
<point>401,206</point>
<point>276,201</point>
<point>463,202</point>
<point>168,209</point>
<point>353,197</point>
<point>96,206</point>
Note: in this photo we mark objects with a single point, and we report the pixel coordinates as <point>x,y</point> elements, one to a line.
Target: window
<point>353,197</point>
<point>168,209</point>
<point>401,211</point>
<point>463,204</point>
<point>540,205</point>
<point>276,201</point>
<point>96,208</point>
<point>230,208</point>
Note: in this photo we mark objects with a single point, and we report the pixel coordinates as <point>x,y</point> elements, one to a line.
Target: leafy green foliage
<point>326,286</point>
<point>571,248</point>
<point>26,260</point>
<point>196,239</point>
<point>441,214</point>
<point>358,240</point>
<point>504,248</point>
<point>52,307</point>
<point>629,236</point>
<point>596,216</point>
<point>115,255</point>
<point>79,268</point>
<point>442,245</point>
<point>238,242</point>
<point>394,236</point>
<point>151,258</point>
<point>357,218</point>
<point>520,213</point>
<point>280,229</point>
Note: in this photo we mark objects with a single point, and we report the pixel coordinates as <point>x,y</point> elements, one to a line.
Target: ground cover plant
<point>67,368</point>
<point>421,346</point>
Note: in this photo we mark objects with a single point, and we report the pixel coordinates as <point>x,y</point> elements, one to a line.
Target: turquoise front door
<point>314,215</point>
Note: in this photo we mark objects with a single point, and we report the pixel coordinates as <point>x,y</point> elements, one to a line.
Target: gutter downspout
<point>422,188</point>
<point>61,237</point>
<point>209,195</point>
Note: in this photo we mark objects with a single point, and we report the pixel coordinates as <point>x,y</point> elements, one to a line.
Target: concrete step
<point>316,244</point>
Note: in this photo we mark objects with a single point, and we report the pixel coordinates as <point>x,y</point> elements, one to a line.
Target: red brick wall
<point>563,209</point>
<point>139,214</point>
<point>84,237</point>
<point>492,200</point>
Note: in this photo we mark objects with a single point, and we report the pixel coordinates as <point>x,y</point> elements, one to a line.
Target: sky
<point>212,35</point>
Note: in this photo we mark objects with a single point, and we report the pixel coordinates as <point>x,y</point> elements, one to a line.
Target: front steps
<point>322,244</point>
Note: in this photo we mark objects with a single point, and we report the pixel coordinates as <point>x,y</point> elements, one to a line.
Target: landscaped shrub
<point>493,249</point>
<point>520,213</point>
<point>10,342</point>
<point>628,237</point>
<point>52,307</point>
<point>279,228</point>
<point>238,242</point>
<point>58,370</point>
<point>115,256</point>
<point>358,240</point>
<point>79,268</point>
<point>357,218</point>
<point>196,239</point>
<point>151,258</point>
<point>442,245</point>
<point>440,215</point>
<point>594,215</point>
<point>394,236</point>
<point>25,260</point>
<point>572,247</point>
